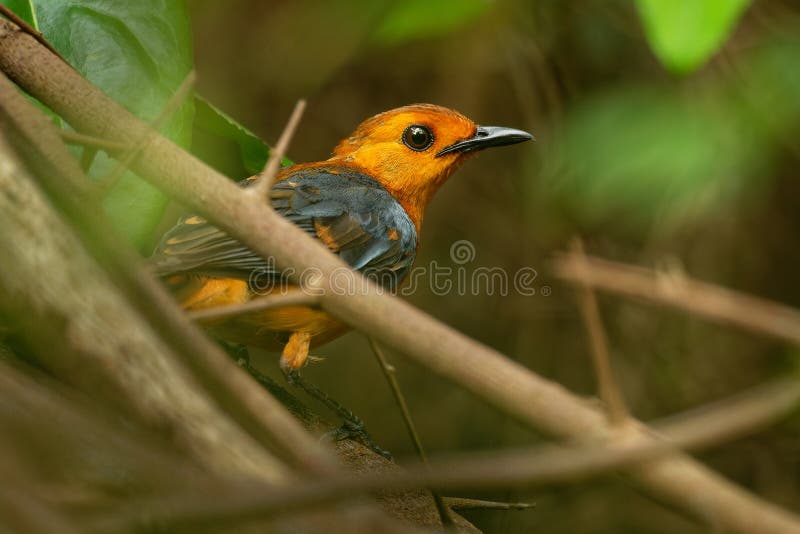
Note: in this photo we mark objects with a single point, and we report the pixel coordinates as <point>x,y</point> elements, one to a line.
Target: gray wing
<point>350,212</point>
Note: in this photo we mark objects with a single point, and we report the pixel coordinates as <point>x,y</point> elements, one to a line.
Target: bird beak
<point>487,136</point>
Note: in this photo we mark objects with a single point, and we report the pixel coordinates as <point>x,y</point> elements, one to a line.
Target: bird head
<point>412,150</point>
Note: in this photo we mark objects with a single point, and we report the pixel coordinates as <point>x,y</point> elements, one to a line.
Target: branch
<point>609,391</point>
<point>523,469</point>
<point>56,291</point>
<point>681,292</point>
<point>277,300</point>
<point>389,373</point>
<point>276,155</point>
<point>30,30</point>
<point>508,386</point>
<point>107,182</point>
<point>75,138</point>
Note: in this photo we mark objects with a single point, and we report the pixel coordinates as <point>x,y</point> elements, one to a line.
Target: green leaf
<point>685,33</point>
<point>252,150</point>
<point>643,155</point>
<point>415,19</point>
<point>138,53</point>
<point>23,9</point>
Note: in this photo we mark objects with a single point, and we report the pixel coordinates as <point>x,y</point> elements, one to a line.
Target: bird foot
<point>352,426</point>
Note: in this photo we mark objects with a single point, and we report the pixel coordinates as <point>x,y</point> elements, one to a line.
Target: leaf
<point>138,53</point>
<point>415,19</point>
<point>684,34</point>
<point>252,150</point>
<point>23,9</point>
<point>643,155</point>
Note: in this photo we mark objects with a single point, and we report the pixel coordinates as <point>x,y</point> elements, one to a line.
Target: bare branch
<point>30,30</point>
<point>459,503</point>
<point>278,300</point>
<point>278,152</point>
<point>75,138</point>
<point>105,184</point>
<point>679,291</point>
<point>609,391</point>
<point>391,377</point>
<point>109,350</point>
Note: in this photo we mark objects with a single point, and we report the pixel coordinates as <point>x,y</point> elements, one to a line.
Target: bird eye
<point>417,137</point>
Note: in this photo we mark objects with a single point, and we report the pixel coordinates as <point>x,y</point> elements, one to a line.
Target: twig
<point>608,389</point>
<point>277,300</point>
<point>276,155</point>
<point>105,183</point>
<point>503,383</point>
<point>460,504</point>
<point>75,138</point>
<point>679,291</point>
<point>391,377</point>
<point>30,30</point>
<point>524,468</point>
<point>87,158</point>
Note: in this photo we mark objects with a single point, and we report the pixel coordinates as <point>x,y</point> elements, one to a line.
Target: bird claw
<point>292,376</point>
<point>356,431</point>
<point>347,430</point>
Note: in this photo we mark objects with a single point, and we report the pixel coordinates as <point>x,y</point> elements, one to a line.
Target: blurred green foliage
<point>685,33</point>
<point>417,19</point>
<point>649,153</point>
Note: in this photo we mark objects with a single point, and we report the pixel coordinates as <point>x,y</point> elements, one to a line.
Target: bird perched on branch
<point>365,203</point>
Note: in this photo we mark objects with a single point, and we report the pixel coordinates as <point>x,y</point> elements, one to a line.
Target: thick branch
<point>56,292</point>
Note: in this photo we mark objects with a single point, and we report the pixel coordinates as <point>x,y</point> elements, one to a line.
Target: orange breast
<point>268,329</point>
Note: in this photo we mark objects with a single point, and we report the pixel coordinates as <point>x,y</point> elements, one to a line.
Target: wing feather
<point>350,212</point>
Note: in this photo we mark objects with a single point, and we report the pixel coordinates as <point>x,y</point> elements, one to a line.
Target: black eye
<point>417,137</point>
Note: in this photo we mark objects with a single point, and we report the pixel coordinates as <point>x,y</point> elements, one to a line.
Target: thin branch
<point>608,389</point>
<point>278,152</point>
<point>30,30</point>
<point>684,293</point>
<point>269,302</point>
<point>524,468</point>
<point>461,504</point>
<point>500,381</point>
<point>75,138</point>
<point>390,374</point>
<point>107,182</point>
<point>87,158</point>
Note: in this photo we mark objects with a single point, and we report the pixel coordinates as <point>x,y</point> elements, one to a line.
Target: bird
<point>366,203</point>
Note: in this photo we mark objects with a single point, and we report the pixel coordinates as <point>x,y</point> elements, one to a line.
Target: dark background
<point>696,173</point>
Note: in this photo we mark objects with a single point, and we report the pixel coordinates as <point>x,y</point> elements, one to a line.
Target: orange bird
<point>366,203</point>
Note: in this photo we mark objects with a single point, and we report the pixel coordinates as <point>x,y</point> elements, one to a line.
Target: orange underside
<point>268,329</point>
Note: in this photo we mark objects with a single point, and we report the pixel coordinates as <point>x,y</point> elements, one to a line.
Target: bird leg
<point>294,355</point>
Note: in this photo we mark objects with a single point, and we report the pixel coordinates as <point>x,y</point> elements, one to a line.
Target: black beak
<point>487,136</point>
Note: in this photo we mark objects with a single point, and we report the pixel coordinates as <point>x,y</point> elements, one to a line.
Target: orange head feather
<point>412,150</point>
